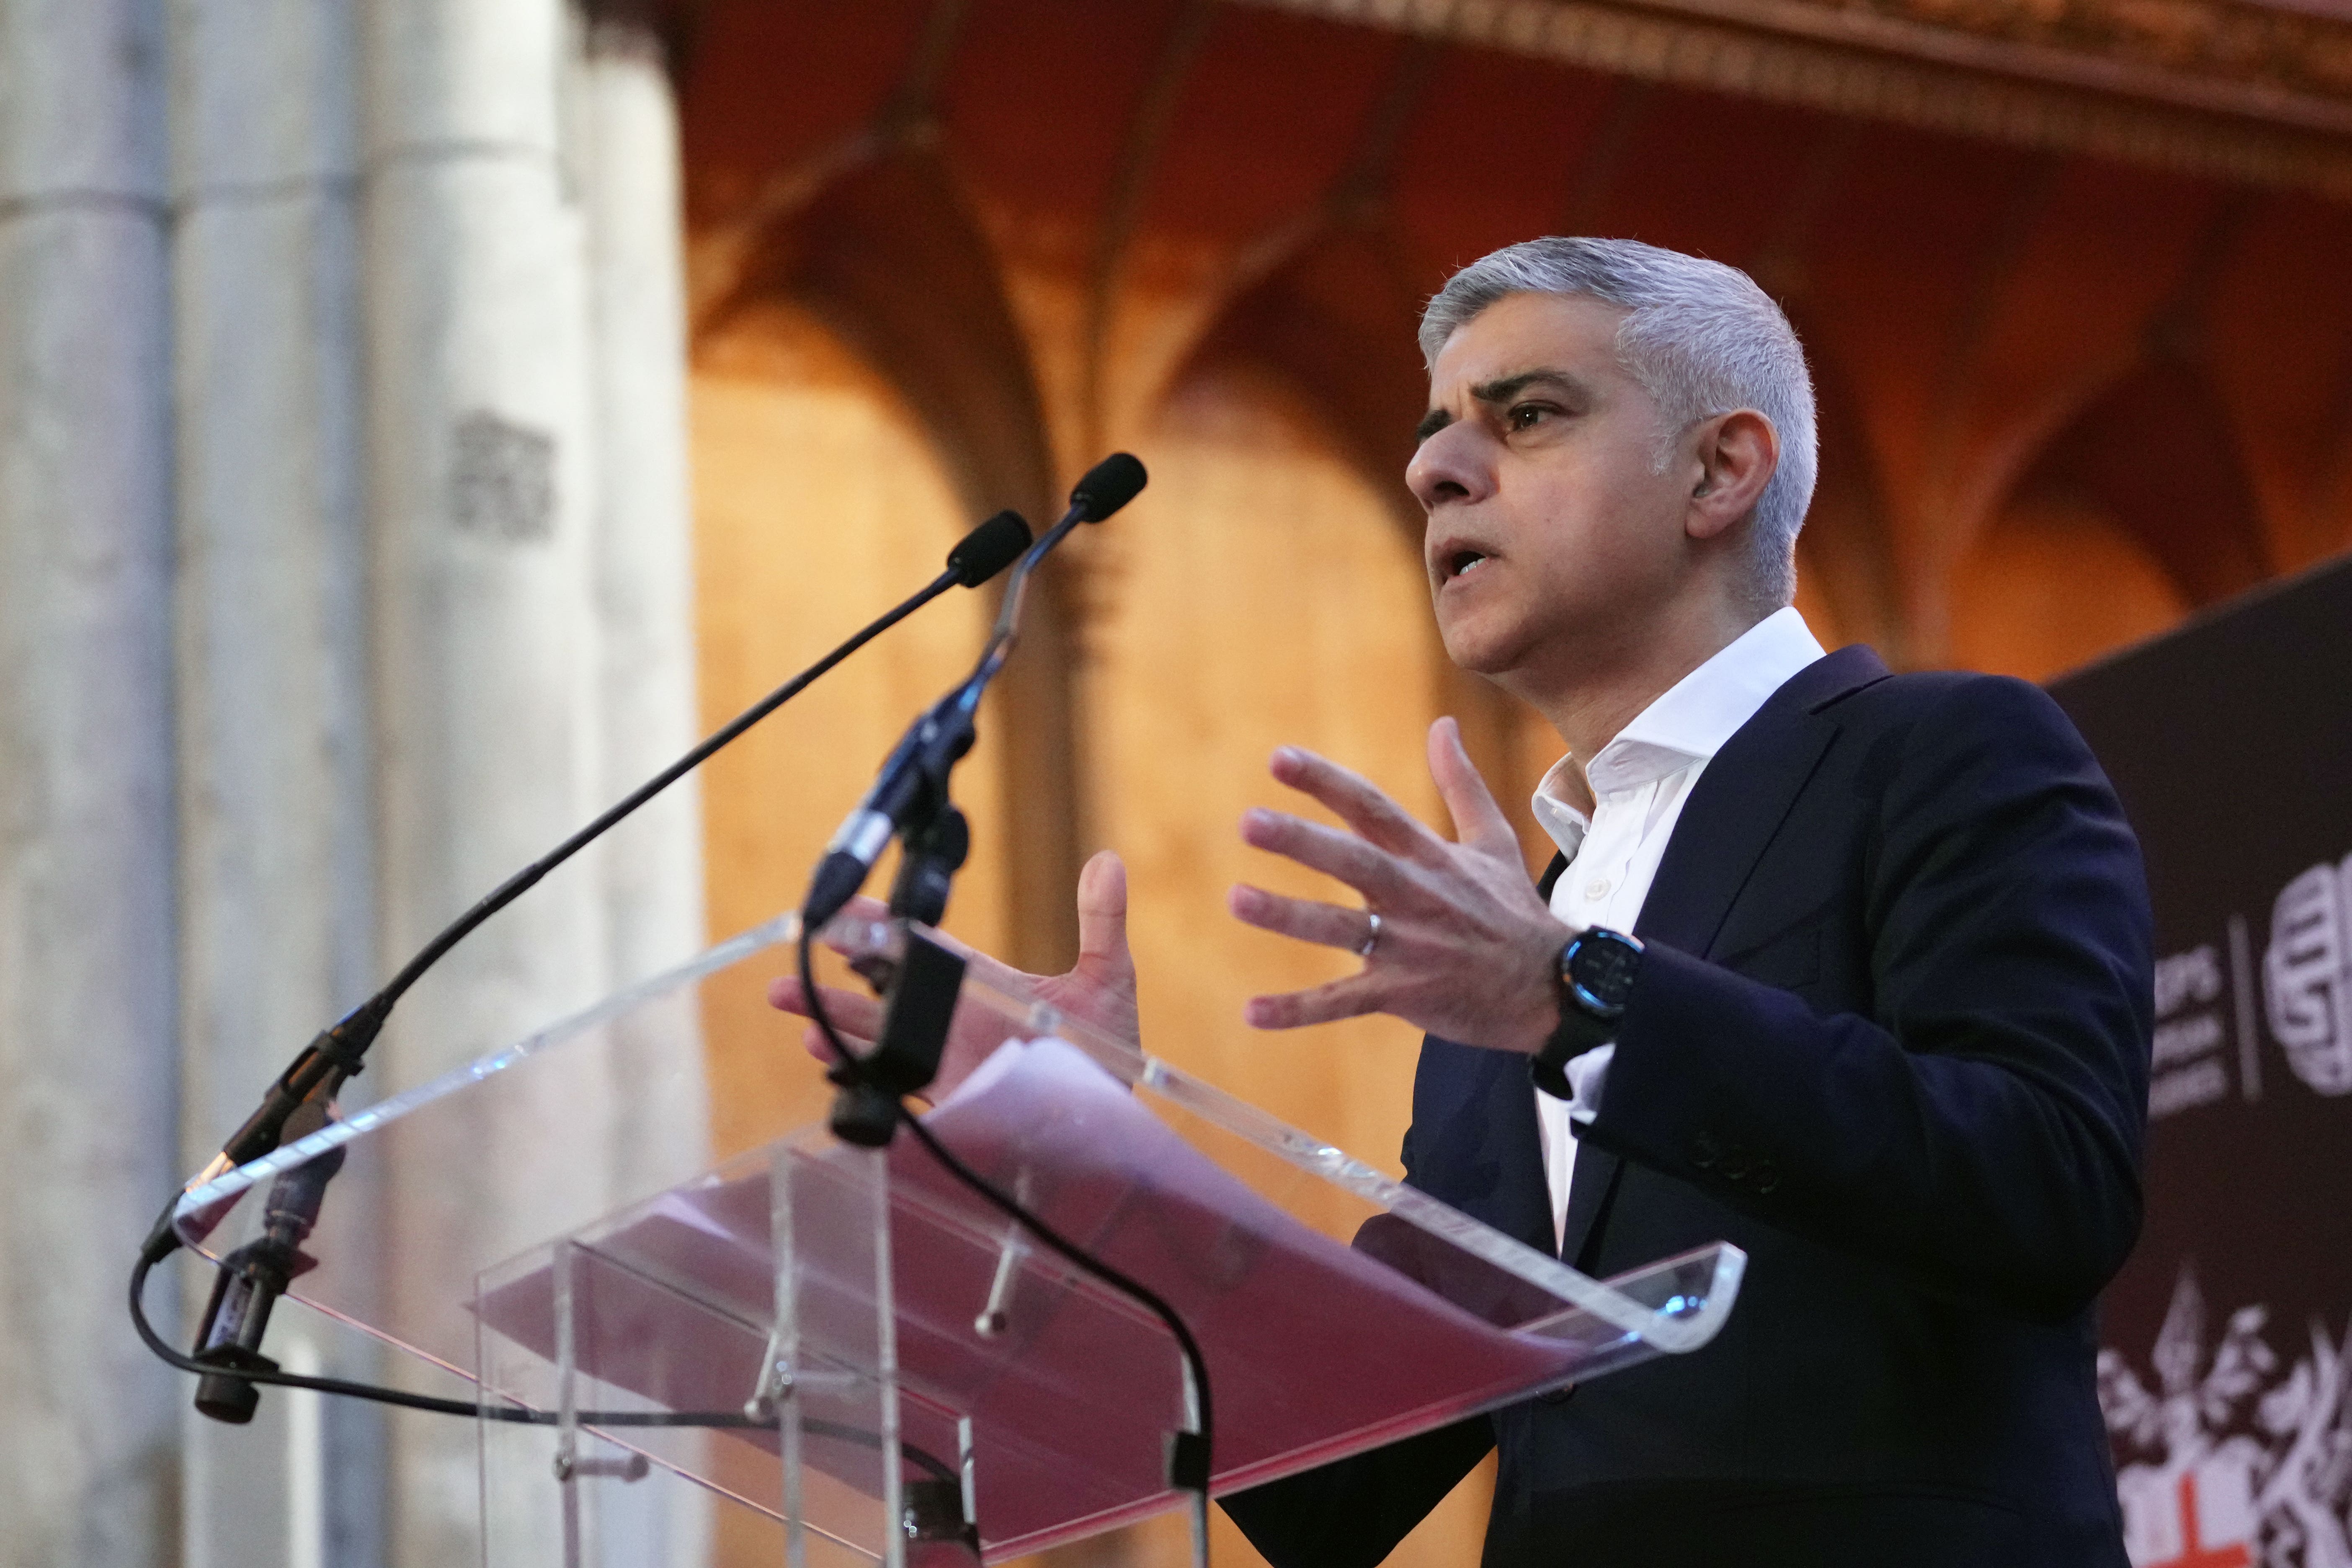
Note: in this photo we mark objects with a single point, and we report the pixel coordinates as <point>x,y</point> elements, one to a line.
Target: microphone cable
<point>1188,1461</point>
<point>510,1415</point>
<point>914,781</point>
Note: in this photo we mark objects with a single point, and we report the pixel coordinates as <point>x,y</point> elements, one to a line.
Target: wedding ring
<point>1371,936</point>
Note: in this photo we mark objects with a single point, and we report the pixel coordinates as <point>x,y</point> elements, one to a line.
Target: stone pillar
<point>626,129</point>
<point>87,1074</point>
<point>626,139</point>
<point>277,888</point>
<point>489,658</point>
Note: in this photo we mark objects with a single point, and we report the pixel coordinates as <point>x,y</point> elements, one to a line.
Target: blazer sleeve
<point>1351,1514</point>
<point>1981,1128</point>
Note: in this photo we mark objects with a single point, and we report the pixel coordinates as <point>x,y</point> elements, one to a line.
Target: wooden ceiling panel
<point>1493,154</point>
<point>2279,348</point>
<point>1338,323</point>
<point>2236,91</point>
<point>2109,248</point>
<point>770,84</point>
<point>1710,175</point>
<point>1044,94</point>
<point>1220,178</point>
<point>1893,266</point>
<point>2108,252</point>
<point>2156,453</point>
<point>1273,110</point>
<point>2281,318</point>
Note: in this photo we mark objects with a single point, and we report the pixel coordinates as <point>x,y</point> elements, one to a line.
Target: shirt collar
<point>1689,723</point>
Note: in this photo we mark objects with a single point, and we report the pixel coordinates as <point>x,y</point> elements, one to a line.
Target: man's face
<point>1552,535</point>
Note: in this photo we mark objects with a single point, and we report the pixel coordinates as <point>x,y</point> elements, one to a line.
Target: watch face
<point>1603,967</point>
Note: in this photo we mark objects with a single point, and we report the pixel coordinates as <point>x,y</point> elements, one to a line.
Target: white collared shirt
<point>1639,783</point>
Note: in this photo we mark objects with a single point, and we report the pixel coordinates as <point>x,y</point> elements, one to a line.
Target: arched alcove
<point>1846,582</point>
<point>819,502</point>
<point>2156,452</point>
<point>1264,594</point>
<point>2056,582</point>
<point>1339,318</point>
<point>1337,322</point>
<point>888,255</point>
<point>2139,510</point>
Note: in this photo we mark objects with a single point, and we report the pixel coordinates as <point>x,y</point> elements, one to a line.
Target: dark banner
<point>2224,1371</point>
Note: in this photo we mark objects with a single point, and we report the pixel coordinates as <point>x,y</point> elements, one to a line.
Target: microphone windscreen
<point>1108,486</point>
<point>989,548</point>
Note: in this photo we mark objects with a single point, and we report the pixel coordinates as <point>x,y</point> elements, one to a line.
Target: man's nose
<point>1457,464</point>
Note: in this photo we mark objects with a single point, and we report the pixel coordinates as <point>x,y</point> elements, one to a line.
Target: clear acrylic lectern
<point>848,1342</point>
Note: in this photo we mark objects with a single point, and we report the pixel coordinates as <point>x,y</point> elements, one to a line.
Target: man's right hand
<point>1098,990</point>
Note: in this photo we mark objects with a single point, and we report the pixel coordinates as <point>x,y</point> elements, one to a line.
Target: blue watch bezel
<point>1588,1000</point>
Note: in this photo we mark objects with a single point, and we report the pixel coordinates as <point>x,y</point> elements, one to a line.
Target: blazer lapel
<point>1523,1206</point>
<point>1522,1200</point>
<point>1733,811</point>
<point>1593,1183</point>
<point>1741,799</point>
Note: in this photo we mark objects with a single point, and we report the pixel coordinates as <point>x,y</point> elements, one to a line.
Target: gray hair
<point>1702,340</point>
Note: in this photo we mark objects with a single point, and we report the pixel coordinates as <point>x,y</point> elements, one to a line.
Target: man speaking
<point>1848,968</point>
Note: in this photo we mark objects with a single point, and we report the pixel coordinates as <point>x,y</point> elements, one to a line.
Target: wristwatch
<point>1597,970</point>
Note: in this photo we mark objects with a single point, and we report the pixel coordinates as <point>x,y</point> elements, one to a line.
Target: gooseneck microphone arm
<point>335,1054</point>
<point>912,783</point>
<point>910,798</point>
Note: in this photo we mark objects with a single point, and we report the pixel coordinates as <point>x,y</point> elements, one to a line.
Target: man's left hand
<point>1465,949</point>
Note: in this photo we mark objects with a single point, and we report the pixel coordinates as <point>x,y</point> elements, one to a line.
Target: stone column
<point>626,128</point>
<point>87,1075</point>
<point>277,888</point>
<point>625,141</point>
<point>483,503</point>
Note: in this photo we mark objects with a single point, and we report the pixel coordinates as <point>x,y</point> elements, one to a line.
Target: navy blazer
<point>1891,1036</point>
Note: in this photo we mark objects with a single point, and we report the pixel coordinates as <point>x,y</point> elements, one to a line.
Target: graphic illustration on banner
<point>2308,976</point>
<point>2237,1457</point>
<point>2225,1371</point>
<point>2244,1459</point>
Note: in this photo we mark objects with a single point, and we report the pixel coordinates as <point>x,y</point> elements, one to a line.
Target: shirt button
<point>1597,890</point>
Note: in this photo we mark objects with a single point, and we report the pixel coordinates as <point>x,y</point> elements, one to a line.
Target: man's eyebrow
<point>1499,391</point>
<point>1511,386</point>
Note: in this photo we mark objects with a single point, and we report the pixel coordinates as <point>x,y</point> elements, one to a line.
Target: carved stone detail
<point>502,480</point>
<point>2216,87</point>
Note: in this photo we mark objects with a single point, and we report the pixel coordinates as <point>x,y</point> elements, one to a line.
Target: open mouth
<point>1461,562</point>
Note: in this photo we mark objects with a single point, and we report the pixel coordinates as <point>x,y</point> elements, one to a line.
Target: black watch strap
<point>1596,972</point>
<point>1578,1033</point>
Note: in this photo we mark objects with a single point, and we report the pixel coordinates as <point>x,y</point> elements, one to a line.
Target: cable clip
<point>1188,1462</point>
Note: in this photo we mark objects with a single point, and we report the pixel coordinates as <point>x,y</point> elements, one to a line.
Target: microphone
<point>1108,486</point>
<point>912,786</point>
<point>255,1275</point>
<point>335,1054</point>
<point>989,548</point>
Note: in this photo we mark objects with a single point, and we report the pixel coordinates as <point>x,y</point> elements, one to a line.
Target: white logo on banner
<point>2308,976</point>
<point>2246,1464</point>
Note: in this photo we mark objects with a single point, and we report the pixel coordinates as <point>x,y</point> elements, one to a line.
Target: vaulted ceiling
<point>2032,245</point>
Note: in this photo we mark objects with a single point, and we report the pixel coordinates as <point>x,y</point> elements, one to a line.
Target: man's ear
<point>1736,454</point>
